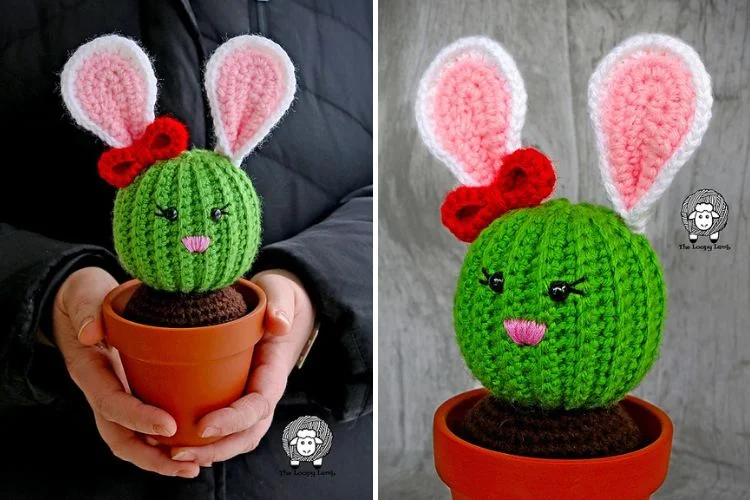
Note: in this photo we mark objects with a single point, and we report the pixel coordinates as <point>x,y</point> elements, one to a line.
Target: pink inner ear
<point>471,113</point>
<point>646,114</point>
<point>250,87</point>
<point>112,93</point>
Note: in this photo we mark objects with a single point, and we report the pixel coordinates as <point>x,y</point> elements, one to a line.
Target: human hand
<point>97,370</point>
<point>288,323</point>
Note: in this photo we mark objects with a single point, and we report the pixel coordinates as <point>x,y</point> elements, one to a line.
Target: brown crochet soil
<point>182,310</point>
<point>531,432</point>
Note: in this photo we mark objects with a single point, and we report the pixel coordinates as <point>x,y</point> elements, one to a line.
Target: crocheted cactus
<point>532,337</point>
<point>184,221</point>
<point>560,305</point>
<point>187,224</point>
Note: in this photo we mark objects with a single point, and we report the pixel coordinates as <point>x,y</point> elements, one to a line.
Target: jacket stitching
<point>30,31</point>
<point>336,106</point>
<point>296,172</point>
<point>334,18</point>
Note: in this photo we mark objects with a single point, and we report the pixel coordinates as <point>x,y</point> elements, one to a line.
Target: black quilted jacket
<point>314,174</point>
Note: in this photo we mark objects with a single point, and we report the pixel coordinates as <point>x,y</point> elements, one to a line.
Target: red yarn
<point>164,138</point>
<point>525,179</point>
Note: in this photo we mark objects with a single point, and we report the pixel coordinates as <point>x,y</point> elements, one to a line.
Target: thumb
<point>82,296</point>
<point>280,296</point>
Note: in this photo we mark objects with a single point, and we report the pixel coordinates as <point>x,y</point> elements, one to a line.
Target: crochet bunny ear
<point>250,84</point>
<point>650,103</point>
<point>471,106</point>
<point>109,88</point>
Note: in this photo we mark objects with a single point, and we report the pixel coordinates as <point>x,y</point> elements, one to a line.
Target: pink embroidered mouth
<point>196,244</point>
<point>525,331</point>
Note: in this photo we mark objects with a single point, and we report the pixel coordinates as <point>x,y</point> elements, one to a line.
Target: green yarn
<point>195,183</point>
<point>597,346</point>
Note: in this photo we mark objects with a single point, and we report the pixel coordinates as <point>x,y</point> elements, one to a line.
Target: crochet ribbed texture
<point>560,306</point>
<point>177,310</point>
<point>184,221</point>
<point>188,224</point>
<point>532,432</point>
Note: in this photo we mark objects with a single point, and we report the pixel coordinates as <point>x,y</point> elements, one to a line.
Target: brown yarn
<point>182,310</point>
<point>532,432</point>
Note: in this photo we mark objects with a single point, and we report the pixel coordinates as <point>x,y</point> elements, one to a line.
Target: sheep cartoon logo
<point>704,213</point>
<point>307,439</point>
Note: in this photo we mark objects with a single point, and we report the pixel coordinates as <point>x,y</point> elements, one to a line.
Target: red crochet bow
<point>164,138</point>
<point>525,178</point>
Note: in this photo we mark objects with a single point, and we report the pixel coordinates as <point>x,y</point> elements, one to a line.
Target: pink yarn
<point>196,244</point>
<point>249,88</point>
<point>524,331</point>
<point>647,112</point>
<point>112,92</point>
<point>471,111</point>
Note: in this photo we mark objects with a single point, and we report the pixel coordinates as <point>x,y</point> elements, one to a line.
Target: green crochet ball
<point>188,224</point>
<point>576,274</point>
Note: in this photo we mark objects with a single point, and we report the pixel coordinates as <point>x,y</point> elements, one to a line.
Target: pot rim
<point>665,435</point>
<point>108,310</point>
<point>471,471</point>
<point>182,346</point>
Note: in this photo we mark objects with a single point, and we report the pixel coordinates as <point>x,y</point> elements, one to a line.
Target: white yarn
<point>263,45</point>
<point>114,44</point>
<point>638,215</point>
<point>496,54</point>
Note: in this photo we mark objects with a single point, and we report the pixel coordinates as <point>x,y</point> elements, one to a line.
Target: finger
<point>104,392</point>
<point>91,332</point>
<point>265,388</point>
<point>127,446</point>
<point>280,305</point>
<point>271,371</point>
<point>226,448</point>
<point>81,300</point>
<point>239,416</point>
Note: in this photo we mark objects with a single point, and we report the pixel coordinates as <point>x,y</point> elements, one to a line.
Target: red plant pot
<point>187,372</point>
<point>473,472</point>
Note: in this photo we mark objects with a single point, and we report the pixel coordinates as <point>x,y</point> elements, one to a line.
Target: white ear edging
<point>213,68</point>
<point>639,214</point>
<point>123,47</point>
<point>507,66</point>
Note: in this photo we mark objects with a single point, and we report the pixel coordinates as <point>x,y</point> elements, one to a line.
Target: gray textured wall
<point>703,376</point>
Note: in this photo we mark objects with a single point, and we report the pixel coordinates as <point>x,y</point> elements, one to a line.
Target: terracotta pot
<point>187,372</point>
<point>473,472</point>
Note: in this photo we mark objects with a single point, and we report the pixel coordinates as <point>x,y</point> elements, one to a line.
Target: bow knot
<point>525,178</point>
<point>164,138</point>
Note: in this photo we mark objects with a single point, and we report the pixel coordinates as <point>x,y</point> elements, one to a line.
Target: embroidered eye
<point>559,290</point>
<point>496,281</point>
<point>169,213</point>
<point>218,213</point>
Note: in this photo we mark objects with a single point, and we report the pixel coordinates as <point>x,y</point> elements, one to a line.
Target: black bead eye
<point>169,213</point>
<point>218,213</point>
<point>496,281</point>
<point>559,290</point>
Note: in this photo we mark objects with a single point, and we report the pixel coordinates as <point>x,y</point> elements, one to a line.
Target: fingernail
<point>163,430</point>
<point>86,323</point>
<point>186,473</point>
<point>152,441</point>
<point>281,315</point>
<point>210,432</point>
<point>184,456</point>
<point>207,465</point>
